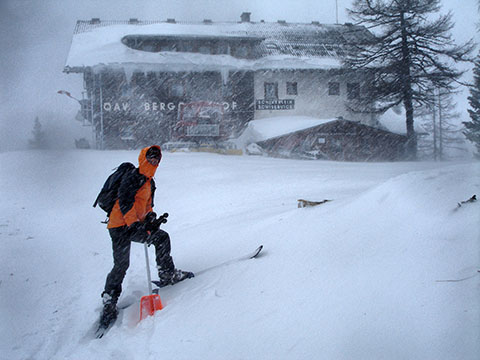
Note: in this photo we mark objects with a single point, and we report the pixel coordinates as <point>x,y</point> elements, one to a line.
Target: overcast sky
<point>35,36</point>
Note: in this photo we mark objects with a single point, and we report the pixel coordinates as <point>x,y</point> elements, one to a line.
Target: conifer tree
<point>39,140</point>
<point>445,138</point>
<point>472,127</point>
<point>408,56</point>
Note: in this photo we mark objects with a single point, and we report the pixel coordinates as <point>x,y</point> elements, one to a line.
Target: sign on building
<point>285,104</point>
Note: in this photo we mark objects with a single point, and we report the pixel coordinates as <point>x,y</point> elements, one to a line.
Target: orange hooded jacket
<point>136,193</point>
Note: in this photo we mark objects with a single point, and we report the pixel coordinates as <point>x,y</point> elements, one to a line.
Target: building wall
<point>313,98</point>
<point>138,108</point>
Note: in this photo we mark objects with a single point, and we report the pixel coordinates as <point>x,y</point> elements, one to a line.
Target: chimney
<point>95,21</point>
<point>133,21</point>
<point>245,17</point>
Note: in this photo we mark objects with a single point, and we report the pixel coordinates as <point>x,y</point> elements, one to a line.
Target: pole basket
<point>149,304</point>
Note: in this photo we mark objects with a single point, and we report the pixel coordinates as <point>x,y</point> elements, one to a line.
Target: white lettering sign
<point>107,106</point>
<point>161,106</point>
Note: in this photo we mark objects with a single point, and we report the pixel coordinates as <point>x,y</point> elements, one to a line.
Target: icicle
<point>128,73</point>
<point>224,73</point>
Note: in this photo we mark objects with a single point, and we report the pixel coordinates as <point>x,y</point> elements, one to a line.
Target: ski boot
<point>109,313</point>
<point>172,277</point>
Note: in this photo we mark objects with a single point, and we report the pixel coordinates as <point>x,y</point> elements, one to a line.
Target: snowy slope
<point>355,278</point>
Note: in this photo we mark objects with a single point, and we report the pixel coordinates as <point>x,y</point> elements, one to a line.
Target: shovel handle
<point>148,270</point>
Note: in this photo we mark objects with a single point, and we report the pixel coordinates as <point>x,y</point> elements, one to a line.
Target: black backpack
<point>109,193</point>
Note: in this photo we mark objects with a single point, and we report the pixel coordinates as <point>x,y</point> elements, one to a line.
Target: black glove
<point>153,224</point>
<point>150,217</point>
<point>136,227</point>
<point>162,219</point>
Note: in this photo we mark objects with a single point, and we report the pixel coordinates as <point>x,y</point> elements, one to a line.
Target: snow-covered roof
<point>269,128</point>
<point>277,45</point>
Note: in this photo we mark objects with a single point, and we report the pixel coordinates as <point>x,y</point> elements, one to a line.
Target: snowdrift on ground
<point>360,277</point>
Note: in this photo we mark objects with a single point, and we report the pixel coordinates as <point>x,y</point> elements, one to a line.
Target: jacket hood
<point>144,166</point>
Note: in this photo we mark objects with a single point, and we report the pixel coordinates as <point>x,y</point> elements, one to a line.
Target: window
<point>333,88</point>
<point>271,91</point>
<point>222,48</point>
<point>292,88</point>
<point>353,91</point>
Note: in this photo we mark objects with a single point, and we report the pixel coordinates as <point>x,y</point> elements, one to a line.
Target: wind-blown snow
<point>355,278</point>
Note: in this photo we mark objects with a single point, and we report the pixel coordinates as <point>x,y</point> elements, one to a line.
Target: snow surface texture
<point>355,278</point>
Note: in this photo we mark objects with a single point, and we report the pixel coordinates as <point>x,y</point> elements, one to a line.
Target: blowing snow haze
<point>36,35</point>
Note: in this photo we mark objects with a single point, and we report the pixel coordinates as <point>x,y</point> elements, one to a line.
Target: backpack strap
<point>131,182</point>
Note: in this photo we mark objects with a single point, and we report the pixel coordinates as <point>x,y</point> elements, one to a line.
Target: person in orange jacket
<point>130,220</point>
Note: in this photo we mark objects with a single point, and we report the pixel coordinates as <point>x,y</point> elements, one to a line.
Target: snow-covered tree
<point>409,55</point>
<point>472,131</point>
<point>39,140</point>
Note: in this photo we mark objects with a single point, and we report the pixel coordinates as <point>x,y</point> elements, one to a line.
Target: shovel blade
<point>149,304</point>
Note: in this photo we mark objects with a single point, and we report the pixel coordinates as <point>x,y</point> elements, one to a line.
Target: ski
<point>248,256</point>
<point>251,255</point>
<point>100,330</point>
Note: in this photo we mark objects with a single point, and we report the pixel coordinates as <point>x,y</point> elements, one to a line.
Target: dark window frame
<point>353,91</point>
<point>275,89</point>
<point>292,88</point>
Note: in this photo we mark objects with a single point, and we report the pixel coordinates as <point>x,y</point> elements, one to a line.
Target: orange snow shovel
<point>149,303</point>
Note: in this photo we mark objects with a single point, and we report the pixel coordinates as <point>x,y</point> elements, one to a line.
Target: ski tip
<point>100,332</point>
<point>255,254</point>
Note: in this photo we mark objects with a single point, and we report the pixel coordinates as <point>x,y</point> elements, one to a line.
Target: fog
<point>36,35</point>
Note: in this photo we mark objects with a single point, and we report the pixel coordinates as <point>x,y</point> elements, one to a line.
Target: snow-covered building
<point>330,139</point>
<point>167,80</point>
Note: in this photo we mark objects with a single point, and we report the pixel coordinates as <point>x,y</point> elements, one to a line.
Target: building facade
<point>163,81</point>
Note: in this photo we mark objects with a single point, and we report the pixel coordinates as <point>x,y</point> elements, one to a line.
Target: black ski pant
<point>122,238</point>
